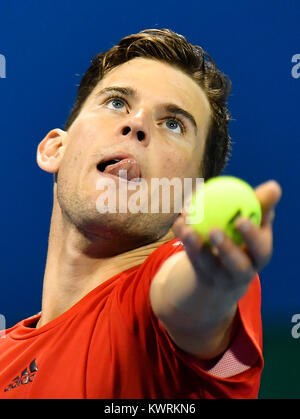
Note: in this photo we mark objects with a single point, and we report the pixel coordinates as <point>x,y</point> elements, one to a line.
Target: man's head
<point>169,47</point>
<point>155,97</point>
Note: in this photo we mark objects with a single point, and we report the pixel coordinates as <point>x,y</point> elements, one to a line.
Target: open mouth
<point>126,168</point>
<point>102,166</point>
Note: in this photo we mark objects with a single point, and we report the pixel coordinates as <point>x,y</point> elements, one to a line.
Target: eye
<point>115,103</point>
<point>175,125</point>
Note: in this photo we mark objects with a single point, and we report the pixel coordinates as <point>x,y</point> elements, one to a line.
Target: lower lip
<point>118,178</point>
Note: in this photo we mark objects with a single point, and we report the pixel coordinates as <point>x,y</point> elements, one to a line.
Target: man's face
<point>133,110</point>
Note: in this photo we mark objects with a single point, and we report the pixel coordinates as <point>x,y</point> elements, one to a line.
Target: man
<point>128,310</point>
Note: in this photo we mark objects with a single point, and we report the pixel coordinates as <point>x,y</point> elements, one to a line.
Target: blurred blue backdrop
<point>49,44</point>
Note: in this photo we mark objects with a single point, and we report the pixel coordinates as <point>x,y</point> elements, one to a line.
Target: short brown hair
<point>172,48</point>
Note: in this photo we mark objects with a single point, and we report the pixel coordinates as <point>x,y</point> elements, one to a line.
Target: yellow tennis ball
<point>222,201</point>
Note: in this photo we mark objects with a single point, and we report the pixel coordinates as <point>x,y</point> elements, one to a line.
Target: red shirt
<point>111,345</point>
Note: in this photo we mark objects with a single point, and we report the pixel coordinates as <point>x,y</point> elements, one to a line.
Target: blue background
<point>48,46</point>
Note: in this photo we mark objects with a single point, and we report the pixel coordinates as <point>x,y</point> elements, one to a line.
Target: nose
<point>135,127</point>
<point>140,134</point>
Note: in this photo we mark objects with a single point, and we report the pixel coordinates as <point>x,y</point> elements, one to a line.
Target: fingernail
<point>217,237</point>
<point>243,226</point>
<point>191,239</point>
<point>270,216</point>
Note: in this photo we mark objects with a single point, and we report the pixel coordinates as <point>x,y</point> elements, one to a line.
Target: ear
<point>51,149</point>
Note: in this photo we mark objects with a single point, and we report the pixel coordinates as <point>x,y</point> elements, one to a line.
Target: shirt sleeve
<point>234,374</point>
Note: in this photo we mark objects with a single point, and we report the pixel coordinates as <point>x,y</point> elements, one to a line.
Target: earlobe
<point>50,150</point>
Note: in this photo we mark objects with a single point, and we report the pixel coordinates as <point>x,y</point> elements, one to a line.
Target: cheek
<point>178,164</point>
<point>82,131</point>
<point>83,137</point>
<point>67,170</point>
<point>73,161</point>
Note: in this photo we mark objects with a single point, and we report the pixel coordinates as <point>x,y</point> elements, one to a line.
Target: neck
<point>72,270</point>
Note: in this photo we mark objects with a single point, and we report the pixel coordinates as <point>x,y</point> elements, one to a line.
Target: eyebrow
<point>169,107</point>
<point>126,91</point>
<point>176,110</point>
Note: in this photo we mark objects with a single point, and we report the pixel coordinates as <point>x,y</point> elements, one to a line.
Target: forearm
<point>198,317</point>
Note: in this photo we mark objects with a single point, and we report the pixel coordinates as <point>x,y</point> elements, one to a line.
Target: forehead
<point>160,82</point>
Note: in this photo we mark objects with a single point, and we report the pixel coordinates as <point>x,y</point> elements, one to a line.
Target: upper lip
<point>120,155</point>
